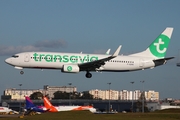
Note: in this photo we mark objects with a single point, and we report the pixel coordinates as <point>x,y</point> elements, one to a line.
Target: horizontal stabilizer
<point>165,59</point>
<point>161,61</point>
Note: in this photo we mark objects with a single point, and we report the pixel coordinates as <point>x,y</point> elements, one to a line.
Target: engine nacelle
<point>70,68</point>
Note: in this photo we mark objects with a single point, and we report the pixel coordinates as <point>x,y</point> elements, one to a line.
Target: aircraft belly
<point>120,67</point>
<point>48,65</point>
<point>149,64</point>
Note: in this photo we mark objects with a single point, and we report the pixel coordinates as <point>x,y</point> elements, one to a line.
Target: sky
<point>90,26</point>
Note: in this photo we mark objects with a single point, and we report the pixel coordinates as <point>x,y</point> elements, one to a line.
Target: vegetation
<point>73,95</point>
<point>63,95</point>
<point>86,95</point>
<point>36,96</point>
<point>139,103</point>
<point>82,115</point>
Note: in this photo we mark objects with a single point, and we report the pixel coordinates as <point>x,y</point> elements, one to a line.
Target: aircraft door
<point>26,58</point>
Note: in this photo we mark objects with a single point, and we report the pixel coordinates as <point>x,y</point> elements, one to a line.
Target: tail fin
<point>157,49</point>
<point>29,103</point>
<point>48,105</point>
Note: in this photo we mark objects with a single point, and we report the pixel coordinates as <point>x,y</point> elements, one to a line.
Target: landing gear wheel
<point>88,75</point>
<point>21,72</point>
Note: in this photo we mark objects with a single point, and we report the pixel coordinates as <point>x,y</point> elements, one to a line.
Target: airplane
<point>52,108</point>
<point>153,56</point>
<point>5,110</point>
<point>30,108</point>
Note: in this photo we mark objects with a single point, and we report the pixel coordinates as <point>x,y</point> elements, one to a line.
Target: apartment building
<point>18,94</point>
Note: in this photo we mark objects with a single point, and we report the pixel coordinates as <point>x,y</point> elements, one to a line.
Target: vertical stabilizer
<point>29,103</point>
<point>157,49</point>
<point>48,105</point>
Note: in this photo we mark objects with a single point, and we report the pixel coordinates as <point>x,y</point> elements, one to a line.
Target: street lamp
<point>132,95</point>
<point>20,99</point>
<point>69,93</point>
<point>142,96</point>
<point>109,96</point>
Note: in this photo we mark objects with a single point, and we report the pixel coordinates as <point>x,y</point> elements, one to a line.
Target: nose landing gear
<point>21,72</point>
<point>88,74</point>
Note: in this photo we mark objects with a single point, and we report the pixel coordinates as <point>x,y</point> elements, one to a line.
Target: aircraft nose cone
<point>8,60</point>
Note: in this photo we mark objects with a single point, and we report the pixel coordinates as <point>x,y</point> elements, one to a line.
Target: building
<point>152,95</point>
<point>111,94</point>
<point>50,90</point>
<point>18,94</point>
<point>129,95</point>
<point>97,94</point>
<point>137,94</point>
<point>124,95</point>
<point>105,94</point>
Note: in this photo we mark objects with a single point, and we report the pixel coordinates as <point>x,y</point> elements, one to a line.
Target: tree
<point>65,95</point>
<point>139,103</point>
<point>61,95</point>
<point>86,95</point>
<point>36,96</point>
<point>75,95</point>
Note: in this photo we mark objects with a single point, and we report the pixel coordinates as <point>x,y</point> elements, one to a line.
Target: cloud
<point>51,44</point>
<point>9,50</point>
<point>38,46</point>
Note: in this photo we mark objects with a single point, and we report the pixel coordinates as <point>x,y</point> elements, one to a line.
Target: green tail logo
<point>159,47</point>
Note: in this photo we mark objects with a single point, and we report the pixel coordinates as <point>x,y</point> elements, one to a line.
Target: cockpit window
<point>15,56</point>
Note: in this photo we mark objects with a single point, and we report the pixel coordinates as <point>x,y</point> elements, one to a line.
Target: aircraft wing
<point>97,63</point>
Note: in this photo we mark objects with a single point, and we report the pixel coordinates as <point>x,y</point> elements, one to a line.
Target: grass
<point>171,114</point>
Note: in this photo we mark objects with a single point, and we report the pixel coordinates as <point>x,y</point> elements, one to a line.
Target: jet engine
<point>70,68</point>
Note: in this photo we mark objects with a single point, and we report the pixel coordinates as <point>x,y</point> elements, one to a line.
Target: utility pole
<point>69,93</point>
<point>132,96</point>
<point>20,98</point>
<point>109,97</point>
<point>143,96</point>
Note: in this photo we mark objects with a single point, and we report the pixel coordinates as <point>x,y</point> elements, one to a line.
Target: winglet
<point>117,51</point>
<point>108,51</point>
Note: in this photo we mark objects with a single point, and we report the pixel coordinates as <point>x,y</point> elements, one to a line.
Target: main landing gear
<point>88,74</point>
<point>21,72</point>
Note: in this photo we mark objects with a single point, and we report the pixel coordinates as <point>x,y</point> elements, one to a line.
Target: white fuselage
<point>5,110</point>
<point>65,108</point>
<point>55,60</point>
<point>73,108</point>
